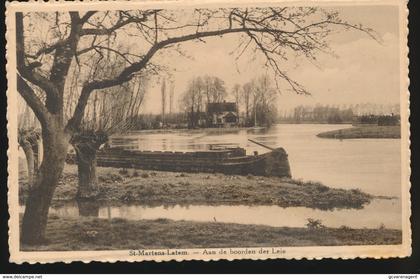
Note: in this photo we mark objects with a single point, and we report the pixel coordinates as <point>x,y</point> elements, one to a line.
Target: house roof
<point>221,107</point>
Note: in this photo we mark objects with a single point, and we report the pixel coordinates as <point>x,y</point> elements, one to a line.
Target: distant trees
<point>213,89</point>
<point>237,94</point>
<point>366,113</point>
<point>192,101</point>
<point>258,98</point>
<point>380,120</point>
<point>163,98</point>
<point>199,93</point>
<point>322,114</point>
<point>247,96</point>
<point>265,100</point>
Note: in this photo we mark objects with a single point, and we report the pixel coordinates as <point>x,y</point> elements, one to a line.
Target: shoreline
<point>65,234</point>
<point>135,186</point>
<point>364,132</point>
<point>196,130</point>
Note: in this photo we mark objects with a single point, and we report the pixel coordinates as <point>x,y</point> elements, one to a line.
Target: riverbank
<point>120,186</point>
<point>119,234</point>
<point>210,130</point>
<point>369,131</point>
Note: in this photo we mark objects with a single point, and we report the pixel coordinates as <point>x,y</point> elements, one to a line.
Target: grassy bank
<point>159,188</point>
<point>102,234</point>
<point>369,131</point>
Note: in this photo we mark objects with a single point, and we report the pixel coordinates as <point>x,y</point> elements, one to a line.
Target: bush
<point>345,228</point>
<point>314,224</point>
<point>123,171</point>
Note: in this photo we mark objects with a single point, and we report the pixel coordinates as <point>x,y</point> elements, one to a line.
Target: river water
<point>372,165</point>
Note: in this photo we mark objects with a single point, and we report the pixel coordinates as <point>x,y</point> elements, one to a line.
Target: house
<point>224,114</point>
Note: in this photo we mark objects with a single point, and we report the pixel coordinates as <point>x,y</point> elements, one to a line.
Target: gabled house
<point>224,114</point>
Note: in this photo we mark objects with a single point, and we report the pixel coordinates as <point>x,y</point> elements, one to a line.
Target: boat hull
<point>274,163</point>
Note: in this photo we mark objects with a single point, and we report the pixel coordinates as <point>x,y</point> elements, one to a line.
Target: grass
<point>369,131</point>
<point>165,188</point>
<point>101,234</point>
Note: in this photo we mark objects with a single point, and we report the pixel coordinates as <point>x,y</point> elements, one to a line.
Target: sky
<point>361,70</point>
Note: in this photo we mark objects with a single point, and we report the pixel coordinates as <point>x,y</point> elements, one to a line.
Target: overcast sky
<point>362,70</point>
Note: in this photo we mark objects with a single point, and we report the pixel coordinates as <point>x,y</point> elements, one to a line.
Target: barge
<point>217,160</point>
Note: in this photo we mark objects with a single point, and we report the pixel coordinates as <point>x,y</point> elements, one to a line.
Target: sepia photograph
<point>214,131</point>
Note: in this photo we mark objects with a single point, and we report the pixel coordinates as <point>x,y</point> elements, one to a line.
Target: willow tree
<point>108,111</point>
<point>28,139</point>
<point>44,59</point>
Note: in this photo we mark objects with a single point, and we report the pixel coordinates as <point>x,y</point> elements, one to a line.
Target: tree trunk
<point>55,143</point>
<point>27,149</point>
<point>86,165</point>
<point>35,151</point>
<point>88,208</point>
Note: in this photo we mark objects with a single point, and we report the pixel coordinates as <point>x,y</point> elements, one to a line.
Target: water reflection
<point>372,216</point>
<point>373,165</point>
<point>88,208</point>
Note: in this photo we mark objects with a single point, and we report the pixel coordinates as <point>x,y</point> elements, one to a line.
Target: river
<point>372,165</point>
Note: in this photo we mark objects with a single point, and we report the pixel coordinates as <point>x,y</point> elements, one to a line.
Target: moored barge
<point>227,160</point>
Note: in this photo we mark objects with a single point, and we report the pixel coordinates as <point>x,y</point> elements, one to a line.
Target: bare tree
<point>265,96</point>
<point>109,111</point>
<point>171,96</point>
<point>44,61</point>
<point>247,91</point>
<point>192,101</point>
<point>163,95</point>
<point>236,92</point>
<point>214,89</point>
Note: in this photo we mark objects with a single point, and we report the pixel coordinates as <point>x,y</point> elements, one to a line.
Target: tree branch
<point>26,71</point>
<point>296,38</point>
<point>118,25</point>
<point>32,100</point>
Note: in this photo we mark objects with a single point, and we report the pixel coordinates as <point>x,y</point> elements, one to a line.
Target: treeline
<point>154,121</point>
<point>380,120</point>
<point>319,114</point>
<point>199,93</point>
<point>255,100</point>
<point>357,109</point>
<point>355,113</point>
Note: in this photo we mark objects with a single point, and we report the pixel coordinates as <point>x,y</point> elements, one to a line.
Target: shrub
<point>314,224</point>
<point>123,171</point>
<point>345,228</point>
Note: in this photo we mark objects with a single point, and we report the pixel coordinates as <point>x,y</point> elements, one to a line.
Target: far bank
<point>366,131</point>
